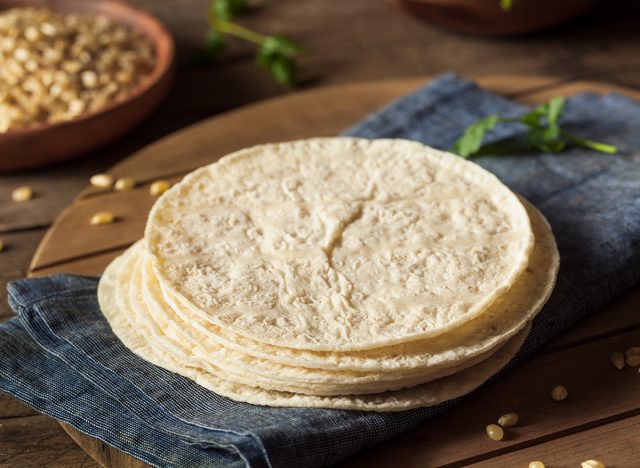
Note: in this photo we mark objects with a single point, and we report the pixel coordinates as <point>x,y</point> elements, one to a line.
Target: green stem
<point>594,145</point>
<point>227,27</point>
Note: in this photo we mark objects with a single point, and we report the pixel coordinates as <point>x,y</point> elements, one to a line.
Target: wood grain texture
<point>568,452</point>
<point>455,438</point>
<point>38,441</point>
<point>12,408</point>
<point>598,394</point>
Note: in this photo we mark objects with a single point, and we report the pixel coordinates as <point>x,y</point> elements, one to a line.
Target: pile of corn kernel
<point>54,67</point>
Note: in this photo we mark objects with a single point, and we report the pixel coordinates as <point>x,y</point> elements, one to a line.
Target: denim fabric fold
<point>60,356</point>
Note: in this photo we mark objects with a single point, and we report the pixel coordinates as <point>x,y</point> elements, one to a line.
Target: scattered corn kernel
<point>102,217</point>
<point>536,464</point>
<point>56,66</point>
<point>495,432</point>
<point>22,194</point>
<point>1,245</point>
<point>159,187</point>
<point>508,420</point>
<point>559,393</point>
<point>617,359</point>
<point>592,464</point>
<point>634,350</point>
<point>125,183</point>
<point>633,360</point>
<point>102,180</point>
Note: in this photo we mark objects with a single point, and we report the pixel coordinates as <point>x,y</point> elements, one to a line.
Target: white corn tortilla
<point>339,244</point>
<point>168,332</point>
<point>439,356</point>
<point>136,336</point>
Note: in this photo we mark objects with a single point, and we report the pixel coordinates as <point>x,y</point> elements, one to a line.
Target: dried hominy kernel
<point>495,432</point>
<point>102,180</point>
<point>633,360</point>
<point>592,464</point>
<point>159,187</point>
<point>559,393</point>
<point>55,66</point>
<point>22,194</point>
<point>536,464</point>
<point>634,350</point>
<point>508,420</point>
<point>617,359</point>
<point>103,217</point>
<point>125,183</point>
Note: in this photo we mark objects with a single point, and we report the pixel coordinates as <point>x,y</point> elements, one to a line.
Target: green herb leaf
<point>276,53</point>
<point>283,69</point>
<point>282,45</point>
<point>544,132</point>
<point>471,141</point>
<point>554,109</point>
<point>227,9</point>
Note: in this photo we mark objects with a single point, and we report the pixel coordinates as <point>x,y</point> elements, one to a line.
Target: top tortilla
<point>339,244</point>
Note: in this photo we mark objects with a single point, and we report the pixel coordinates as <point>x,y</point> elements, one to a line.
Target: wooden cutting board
<point>456,438</point>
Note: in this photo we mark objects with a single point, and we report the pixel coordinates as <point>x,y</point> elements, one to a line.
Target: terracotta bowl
<point>51,143</point>
<point>486,17</point>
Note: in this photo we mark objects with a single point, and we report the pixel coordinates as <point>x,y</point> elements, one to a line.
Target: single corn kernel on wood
<point>102,180</point>
<point>102,217</point>
<point>495,432</point>
<point>508,420</point>
<point>633,351</point>
<point>1,245</point>
<point>536,464</point>
<point>559,393</point>
<point>159,187</point>
<point>22,194</point>
<point>617,359</point>
<point>124,183</point>
<point>633,360</point>
<point>592,464</point>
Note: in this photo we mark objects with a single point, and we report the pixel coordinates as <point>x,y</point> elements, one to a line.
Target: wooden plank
<point>39,441</point>
<point>602,443</point>
<point>92,265</point>
<point>101,452</point>
<point>598,394</point>
<point>74,237</point>
<point>12,408</point>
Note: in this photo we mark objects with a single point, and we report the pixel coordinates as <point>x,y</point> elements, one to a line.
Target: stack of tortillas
<point>345,273</point>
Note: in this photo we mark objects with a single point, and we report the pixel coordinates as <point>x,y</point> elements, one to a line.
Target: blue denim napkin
<point>60,356</point>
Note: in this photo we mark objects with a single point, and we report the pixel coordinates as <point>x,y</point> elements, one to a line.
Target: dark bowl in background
<point>487,18</point>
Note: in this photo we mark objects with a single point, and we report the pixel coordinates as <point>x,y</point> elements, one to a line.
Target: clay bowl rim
<point>163,45</point>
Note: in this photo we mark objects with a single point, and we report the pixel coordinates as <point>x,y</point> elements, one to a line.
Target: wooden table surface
<point>346,41</point>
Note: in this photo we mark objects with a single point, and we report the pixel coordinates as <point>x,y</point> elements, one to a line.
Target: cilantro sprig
<point>543,132</point>
<point>275,53</point>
